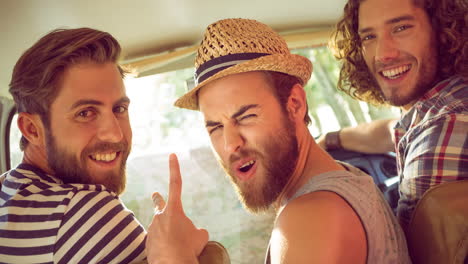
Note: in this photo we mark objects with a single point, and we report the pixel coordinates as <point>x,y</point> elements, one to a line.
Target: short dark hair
<point>35,80</point>
<point>283,84</point>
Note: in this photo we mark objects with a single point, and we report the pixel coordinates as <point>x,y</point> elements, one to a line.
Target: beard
<point>427,77</point>
<point>72,170</point>
<point>424,82</point>
<point>278,157</point>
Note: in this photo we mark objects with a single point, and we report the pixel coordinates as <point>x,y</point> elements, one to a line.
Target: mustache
<point>242,153</point>
<point>379,65</point>
<point>106,147</point>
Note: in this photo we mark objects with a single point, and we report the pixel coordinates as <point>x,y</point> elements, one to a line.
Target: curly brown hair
<point>36,76</point>
<point>449,19</point>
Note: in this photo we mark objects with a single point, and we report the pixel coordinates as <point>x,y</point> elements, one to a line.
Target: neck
<point>408,106</point>
<point>312,161</point>
<point>36,157</point>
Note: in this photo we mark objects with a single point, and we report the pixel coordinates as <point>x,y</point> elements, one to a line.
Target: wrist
<point>333,141</point>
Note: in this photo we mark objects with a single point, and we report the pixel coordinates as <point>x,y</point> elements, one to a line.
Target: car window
<point>14,137</point>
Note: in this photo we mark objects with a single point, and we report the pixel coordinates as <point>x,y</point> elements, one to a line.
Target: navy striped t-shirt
<point>43,220</point>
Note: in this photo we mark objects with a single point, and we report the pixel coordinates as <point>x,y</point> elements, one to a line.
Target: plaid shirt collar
<point>423,105</point>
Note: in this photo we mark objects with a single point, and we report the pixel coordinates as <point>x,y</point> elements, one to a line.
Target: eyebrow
<point>388,22</point>
<point>239,112</point>
<point>79,103</point>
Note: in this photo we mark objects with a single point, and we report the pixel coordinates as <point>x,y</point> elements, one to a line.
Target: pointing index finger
<point>175,183</point>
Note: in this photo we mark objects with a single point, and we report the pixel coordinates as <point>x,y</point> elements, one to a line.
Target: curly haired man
<point>415,56</point>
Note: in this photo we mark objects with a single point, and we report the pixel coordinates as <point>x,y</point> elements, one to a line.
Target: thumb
<point>203,237</point>
<point>158,202</point>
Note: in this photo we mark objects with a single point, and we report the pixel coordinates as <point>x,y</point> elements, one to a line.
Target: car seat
<point>438,230</point>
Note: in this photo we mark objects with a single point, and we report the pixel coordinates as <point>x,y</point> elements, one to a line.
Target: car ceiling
<point>147,28</point>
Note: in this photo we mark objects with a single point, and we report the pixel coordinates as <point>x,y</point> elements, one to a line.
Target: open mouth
<point>104,157</point>
<point>395,72</point>
<point>247,166</point>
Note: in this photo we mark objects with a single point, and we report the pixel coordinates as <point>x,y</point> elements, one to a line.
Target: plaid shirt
<point>431,143</point>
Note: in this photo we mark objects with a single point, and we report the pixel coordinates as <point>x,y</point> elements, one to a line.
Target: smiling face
<point>90,137</point>
<point>399,48</point>
<point>253,137</point>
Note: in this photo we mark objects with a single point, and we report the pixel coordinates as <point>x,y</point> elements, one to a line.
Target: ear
<point>32,128</point>
<point>297,104</point>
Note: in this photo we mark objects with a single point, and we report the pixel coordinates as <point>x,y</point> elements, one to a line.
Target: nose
<point>233,140</point>
<point>387,49</point>
<point>110,129</point>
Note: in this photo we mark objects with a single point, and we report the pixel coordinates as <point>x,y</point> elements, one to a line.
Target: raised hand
<point>172,237</point>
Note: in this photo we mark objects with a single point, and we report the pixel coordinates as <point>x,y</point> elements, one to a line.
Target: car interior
<point>159,39</point>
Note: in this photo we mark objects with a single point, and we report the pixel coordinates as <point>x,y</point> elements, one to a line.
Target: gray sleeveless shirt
<point>385,239</point>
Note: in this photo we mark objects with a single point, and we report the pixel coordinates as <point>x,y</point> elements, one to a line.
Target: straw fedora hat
<point>238,45</point>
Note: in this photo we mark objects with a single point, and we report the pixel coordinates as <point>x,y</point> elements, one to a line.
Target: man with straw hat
<point>249,88</point>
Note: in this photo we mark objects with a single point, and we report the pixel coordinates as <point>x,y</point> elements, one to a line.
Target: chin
<point>255,208</point>
<point>404,100</point>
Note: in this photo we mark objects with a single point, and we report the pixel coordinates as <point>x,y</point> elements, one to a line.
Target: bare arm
<point>319,227</point>
<point>373,137</point>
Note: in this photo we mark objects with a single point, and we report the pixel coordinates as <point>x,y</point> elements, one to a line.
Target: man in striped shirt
<point>413,57</point>
<point>61,204</point>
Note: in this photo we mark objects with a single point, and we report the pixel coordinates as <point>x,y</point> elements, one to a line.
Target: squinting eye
<point>214,129</point>
<point>248,116</point>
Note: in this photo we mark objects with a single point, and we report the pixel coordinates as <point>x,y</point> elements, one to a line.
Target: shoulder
<point>95,200</point>
<point>317,205</point>
<point>98,222</point>
<point>448,128</point>
<point>453,88</point>
<point>319,226</point>
<point>458,82</point>
<point>451,99</point>
<point>436,147</point>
